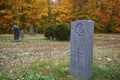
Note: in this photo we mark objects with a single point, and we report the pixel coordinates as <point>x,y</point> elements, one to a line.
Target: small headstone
<point>81,53</point>
<point>21,34</point>
<point>32,30</point>
<point>16,32</point>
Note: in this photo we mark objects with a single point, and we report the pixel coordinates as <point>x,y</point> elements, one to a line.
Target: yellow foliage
<point>40,12</point>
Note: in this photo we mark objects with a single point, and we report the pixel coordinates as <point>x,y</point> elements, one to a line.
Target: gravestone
<point>21,34</point>
<point>32,30</point>
<point>81,53</point>
<point>16,33</point>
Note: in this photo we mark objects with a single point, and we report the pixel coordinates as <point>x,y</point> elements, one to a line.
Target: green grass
<point>60,72</point>
<point>47,70</point>
<point>36,58</point>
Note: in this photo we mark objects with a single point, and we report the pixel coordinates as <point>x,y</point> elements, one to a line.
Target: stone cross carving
<point>81,52</point>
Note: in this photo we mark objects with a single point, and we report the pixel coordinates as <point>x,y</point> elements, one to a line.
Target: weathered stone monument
<point>32,30</point>
<point>16,33</point>
<point>82,33</point>
<point>21,32</point>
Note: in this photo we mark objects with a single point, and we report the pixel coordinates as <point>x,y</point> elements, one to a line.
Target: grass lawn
<point>36,58</point>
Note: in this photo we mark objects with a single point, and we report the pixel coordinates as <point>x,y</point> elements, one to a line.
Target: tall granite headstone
<point>32,30</point>
<point>16,33</point>
<point>82,33</point>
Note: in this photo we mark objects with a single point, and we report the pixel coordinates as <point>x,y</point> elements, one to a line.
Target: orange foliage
<point>105,18</point>
<point>111,10</point>
<point>7,17</point>
<point>40,12</point>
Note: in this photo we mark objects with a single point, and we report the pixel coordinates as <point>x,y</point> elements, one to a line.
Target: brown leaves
<point>47,69</point>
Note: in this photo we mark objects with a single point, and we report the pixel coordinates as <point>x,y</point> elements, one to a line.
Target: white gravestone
<point>81,54</point>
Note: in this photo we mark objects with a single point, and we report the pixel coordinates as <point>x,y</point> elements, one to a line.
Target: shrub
<point>50,32</point>
<point>60,32</point>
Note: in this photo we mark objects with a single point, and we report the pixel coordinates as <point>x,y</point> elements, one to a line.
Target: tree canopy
<point>42,13</point>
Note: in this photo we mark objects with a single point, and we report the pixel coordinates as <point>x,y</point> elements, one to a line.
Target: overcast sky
<point>54,0</point>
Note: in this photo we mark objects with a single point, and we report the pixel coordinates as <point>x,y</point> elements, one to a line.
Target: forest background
<point>43,13</point>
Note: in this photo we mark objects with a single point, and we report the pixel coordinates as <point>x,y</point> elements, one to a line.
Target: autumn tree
<point>42,13</point>
<point>5,16</point>
<point>109,12</point>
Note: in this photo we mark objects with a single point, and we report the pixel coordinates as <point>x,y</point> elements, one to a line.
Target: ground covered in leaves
<point>36,58</point>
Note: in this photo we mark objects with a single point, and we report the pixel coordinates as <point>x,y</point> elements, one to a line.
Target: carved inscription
<point>79,56</point>
<point>79,29</point>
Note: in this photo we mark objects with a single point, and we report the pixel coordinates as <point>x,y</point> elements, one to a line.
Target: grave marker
<point>82,32</point>
<point>21,34</point>
<point>32,30</point>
